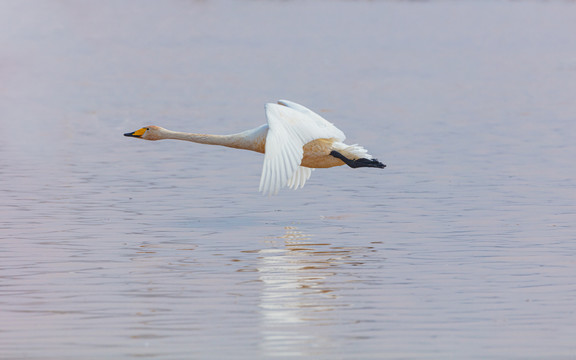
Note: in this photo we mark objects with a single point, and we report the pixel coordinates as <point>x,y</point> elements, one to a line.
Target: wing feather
<point>291,126</point>
<point>317,119</point>
<point>299,178</point>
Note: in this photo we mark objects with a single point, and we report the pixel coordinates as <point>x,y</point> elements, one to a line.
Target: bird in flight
<point>294,141</point>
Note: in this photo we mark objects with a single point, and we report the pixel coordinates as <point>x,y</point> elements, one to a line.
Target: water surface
<point>462,248</point>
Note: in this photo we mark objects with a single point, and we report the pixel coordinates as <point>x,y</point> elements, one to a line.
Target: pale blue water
<point>464,247</point>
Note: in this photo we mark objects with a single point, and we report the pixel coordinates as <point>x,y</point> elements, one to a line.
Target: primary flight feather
<point>294,142</point>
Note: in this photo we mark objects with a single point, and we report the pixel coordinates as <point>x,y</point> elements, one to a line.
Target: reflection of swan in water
<point>301,282</point>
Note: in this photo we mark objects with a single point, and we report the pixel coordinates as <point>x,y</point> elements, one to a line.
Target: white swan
<point>294,141</point>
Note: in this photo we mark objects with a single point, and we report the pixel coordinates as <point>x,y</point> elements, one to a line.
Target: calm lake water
<point>464,247</point>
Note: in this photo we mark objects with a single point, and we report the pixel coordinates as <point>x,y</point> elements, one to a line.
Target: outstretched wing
<point>291,126</point>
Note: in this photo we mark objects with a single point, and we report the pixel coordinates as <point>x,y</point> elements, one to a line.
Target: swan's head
<point>147,133</point>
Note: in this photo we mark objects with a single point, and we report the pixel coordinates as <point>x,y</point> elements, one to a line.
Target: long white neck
<point>253,140</point>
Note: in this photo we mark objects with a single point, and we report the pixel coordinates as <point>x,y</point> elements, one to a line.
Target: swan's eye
<point>147,128</point>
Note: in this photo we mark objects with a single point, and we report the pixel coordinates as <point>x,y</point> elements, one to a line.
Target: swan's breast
<point>254,139</point>
<point>258,139</point>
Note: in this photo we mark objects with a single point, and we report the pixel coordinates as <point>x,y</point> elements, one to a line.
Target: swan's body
<point>294,141</point>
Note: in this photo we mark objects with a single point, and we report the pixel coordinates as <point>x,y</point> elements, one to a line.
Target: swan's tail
<point>355,156</point>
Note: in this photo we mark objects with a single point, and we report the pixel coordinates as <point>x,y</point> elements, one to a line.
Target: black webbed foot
<point>358,162</point>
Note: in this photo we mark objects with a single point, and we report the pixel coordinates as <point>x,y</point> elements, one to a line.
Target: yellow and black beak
<point>137,133</point>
